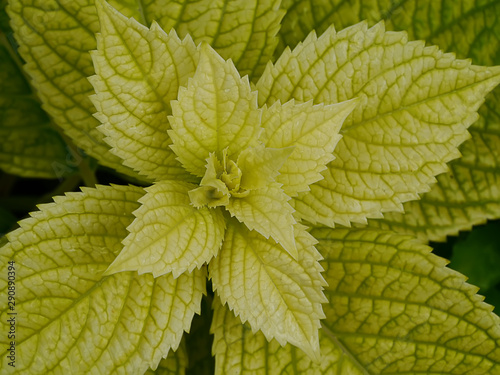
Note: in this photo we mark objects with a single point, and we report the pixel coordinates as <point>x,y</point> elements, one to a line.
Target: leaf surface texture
<point>415,106</point>
<point>268,288</point>
<point>70,318</point>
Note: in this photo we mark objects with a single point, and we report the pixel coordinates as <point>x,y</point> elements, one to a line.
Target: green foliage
<point>253,143</point>
<point>477,255</point>
<point>29,143</point>
<point>468,194</point>
<point>400,135</point>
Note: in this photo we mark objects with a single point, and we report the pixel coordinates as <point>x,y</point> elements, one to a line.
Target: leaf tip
<point>102,7</point>
<point>118,265</point>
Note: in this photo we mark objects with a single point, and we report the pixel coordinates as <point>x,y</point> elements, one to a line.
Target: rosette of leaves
<point>342,128</point>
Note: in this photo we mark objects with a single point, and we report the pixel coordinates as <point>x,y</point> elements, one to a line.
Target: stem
<point>86,172</point>
<point>69,184</point>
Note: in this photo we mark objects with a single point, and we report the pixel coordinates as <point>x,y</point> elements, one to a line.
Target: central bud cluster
<point>221,181</point>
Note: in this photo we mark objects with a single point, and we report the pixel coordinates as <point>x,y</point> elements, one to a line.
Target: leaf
<point>174,364</point>
<point>242,30</point>
<point>138,72</point>
<point>267,211</point>
<point>313,130</point>
<point>469,30</point>
<point>217,110</point>
<point>29,145</point>
<point>468,194</point>
<point>259,165</point>
<point>54,39</point>
<point>212,191</point>
<point>169,235</point>
<point>395,308</point>
<point>239,351</point>
<point>304,16</point>
<point>465,196</point>
<point>69,318</point>
<point>265,286</point>
<point>415,106</point>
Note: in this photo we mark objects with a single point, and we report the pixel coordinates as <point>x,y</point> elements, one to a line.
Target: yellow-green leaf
<point>54,39</point>
<point>395,308</point>
<point>260,165</point>
<point>267,211</point>
<point>313,130</point>
<point>265,286</point>
<point>29,145</point>
<point>468,194</point>
<point>470,30</point>
<point>138,73</point>
<point>175,364</point>
<point>169,235</point>
<point>239,351</point>
<point>71,319</point>
<point>415,106</point>
<point>304,16</point>
<point>216,111</point>
<point>242,30</point>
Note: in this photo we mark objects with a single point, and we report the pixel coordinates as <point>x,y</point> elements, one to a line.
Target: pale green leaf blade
<point>239,351</point>
<point>138,72</point>
<point>241,30</point>
<point>29,145</point>
<point>469,28</point>
<point>217,110</point>
<point>468,195</point>
<point>313,130</point>
<point>396,308</point>
<point>169,235</point>
<point>455,21</point>
<point>265,286</point>
<point>415,106</point>
<point>70,319</point>
<point>260,165</point>
<point>175,364</point>
<point>54,39</point>
<point>267,211</point>
<point>304,16</point>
